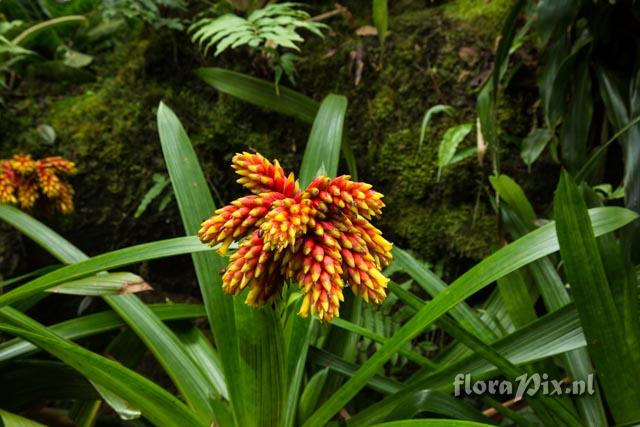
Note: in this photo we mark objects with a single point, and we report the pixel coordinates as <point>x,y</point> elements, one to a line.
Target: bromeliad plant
<point>24,182</point>
<point>317,237</point>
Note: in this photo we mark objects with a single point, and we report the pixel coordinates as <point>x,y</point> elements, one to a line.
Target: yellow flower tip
<point>222,250</point>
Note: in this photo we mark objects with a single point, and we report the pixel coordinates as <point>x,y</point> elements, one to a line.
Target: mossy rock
<point>109,128</point>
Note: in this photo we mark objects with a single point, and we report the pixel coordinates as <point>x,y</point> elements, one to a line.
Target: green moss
<point>383,104</point>
<point>490,12</point>
<point>446,231</point>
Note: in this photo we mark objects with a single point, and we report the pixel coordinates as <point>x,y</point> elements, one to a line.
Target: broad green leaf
<point>541,404</point>
<point>103,284</point>
<point>555,296</point>
<point>261,93</point>
<point>156,404</point>
<point>249,341</point>
<point>598,313</point>
<point>154,333</point>
<point>449,144</point>
<point>323,147</point>
<point>109,260</point>
<point>529,248</point>
<point>513,195</point>
<point>440,108</point>
<point>463,154</point>
<point>124,409</point>
<point>433,285</point>
<point>200,349</point>
<point>516,298</point>
<point>98,323</point>
<point>554,16</point>
<point>622,281</point>
<point>534,144</point>
<point>168,350</point>
<point>574,134</point>
<point>381,18</point>
<point>311,394</point>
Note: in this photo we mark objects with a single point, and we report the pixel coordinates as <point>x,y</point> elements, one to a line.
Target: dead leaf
<point>468,54</point>
<point>134,287</point>
<point>367,31</point>
<point>356,63</point>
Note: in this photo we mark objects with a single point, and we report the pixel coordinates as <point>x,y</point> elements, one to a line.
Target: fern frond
<point>275,25</point>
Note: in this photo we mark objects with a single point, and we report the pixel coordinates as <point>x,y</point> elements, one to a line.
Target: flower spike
<point>23,181</point>
<point>260,175</point>
<point>320,238</point>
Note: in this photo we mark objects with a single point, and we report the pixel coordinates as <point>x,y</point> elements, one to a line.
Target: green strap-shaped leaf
<point>7,419</point>
<point>161,341</point>
<point>155,403</point>
<point>550,335</point>
<point>433,285</point>
<point>109,260</point>
<point>261,93</point>
<point>518,218</point>
<point>600,317</point>
<point>249,341</point>
<point>513,195</point>
<point>381,18</point>
<point>529,248</point>
<point>323,148</point>
<point>167,349</point>
<point>98,323</point>
<point>540,404</point>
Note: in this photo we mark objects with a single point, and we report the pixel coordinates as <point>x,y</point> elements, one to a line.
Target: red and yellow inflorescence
<point>320,238</point>
<point>24,181</point>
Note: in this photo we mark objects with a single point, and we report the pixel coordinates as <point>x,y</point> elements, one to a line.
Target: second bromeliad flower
<point>319,237</point>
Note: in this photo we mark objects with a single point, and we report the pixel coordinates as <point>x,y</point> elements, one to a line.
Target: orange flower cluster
<point>320,237</point>
<point>23,181</point>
